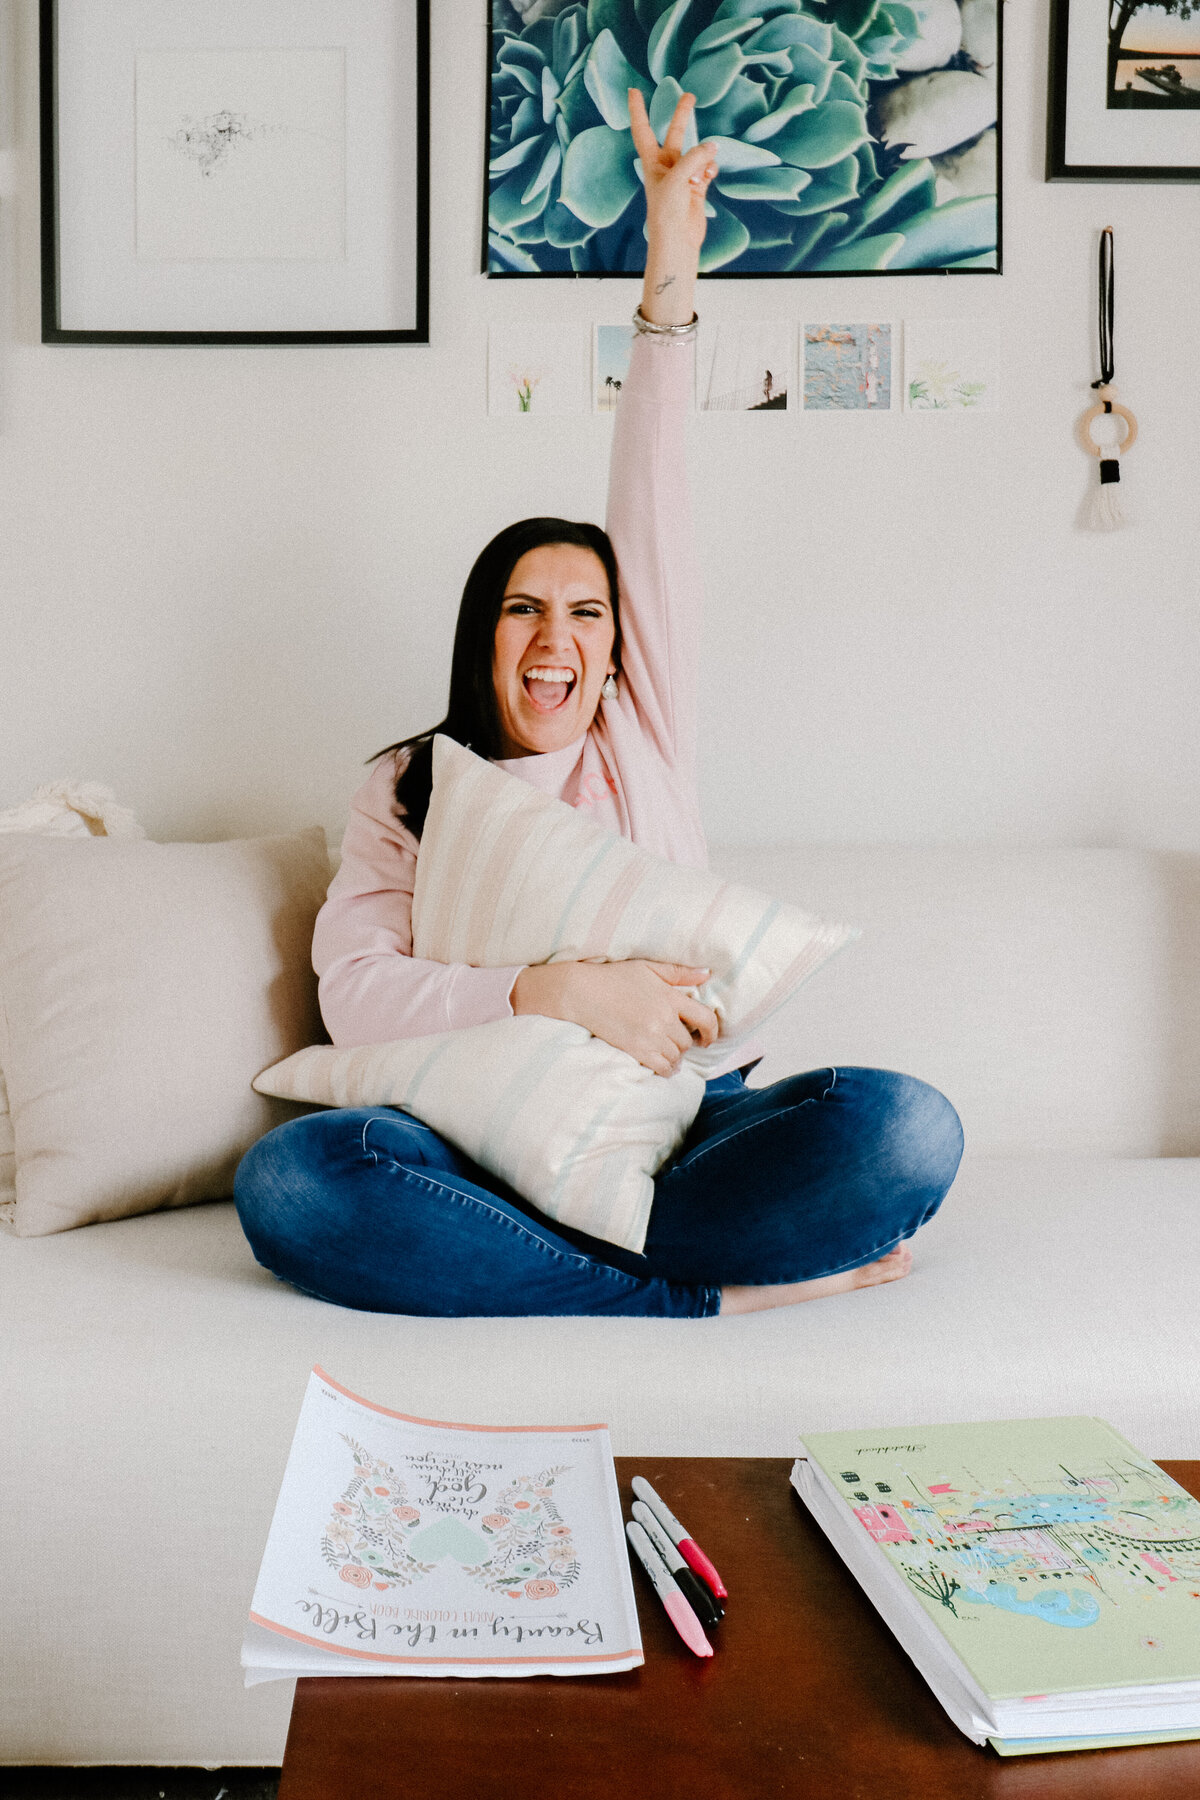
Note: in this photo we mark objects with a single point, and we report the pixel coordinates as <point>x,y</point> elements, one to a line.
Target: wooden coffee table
<point>808,1695</point>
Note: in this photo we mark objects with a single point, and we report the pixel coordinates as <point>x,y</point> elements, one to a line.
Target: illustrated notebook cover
<point>407,1547</point>
<point>1060,1564</point>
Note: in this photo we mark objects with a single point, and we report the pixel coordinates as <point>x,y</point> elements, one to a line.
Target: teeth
<point>549,675</point>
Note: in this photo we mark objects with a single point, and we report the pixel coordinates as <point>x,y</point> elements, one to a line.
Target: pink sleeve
<point>649,521</point>
<point>372,988</point>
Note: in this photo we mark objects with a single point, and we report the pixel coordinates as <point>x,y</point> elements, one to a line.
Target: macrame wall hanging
<point>1104,512</point>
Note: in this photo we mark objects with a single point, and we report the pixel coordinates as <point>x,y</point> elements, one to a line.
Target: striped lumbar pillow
<point>508,875</point>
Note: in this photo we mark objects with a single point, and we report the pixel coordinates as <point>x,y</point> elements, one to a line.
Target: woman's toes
<point>892,1267</point>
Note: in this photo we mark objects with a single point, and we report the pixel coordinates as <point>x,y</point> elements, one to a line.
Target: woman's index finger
<point>644,140</point>
<point>680,974</point>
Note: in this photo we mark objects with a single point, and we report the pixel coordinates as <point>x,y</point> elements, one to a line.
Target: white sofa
<point>153,1372</point>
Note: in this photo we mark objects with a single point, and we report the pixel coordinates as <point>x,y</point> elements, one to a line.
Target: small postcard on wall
<point>743,366</point>
<point>405,1546</point>
<point>612,345</point>
<point>536,370</point>
<point>847,368</point>
<point>950,365</point>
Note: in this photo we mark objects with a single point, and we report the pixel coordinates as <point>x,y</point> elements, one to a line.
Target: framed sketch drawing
<point>854,137</point>
<point>1124,91</point>
<point>249,173</point>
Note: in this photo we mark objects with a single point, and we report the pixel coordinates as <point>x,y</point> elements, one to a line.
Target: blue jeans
<point>368,1208</point>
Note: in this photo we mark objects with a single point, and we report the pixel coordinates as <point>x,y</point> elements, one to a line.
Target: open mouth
<point>549,689</point>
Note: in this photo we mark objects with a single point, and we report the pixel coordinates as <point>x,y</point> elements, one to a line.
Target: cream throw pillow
<point>508,875</point>
<point>141,987</point>
<point>57,809</point>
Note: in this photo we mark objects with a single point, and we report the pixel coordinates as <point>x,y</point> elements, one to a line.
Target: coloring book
<point>1043,1574</point>
<point>406,1547</point>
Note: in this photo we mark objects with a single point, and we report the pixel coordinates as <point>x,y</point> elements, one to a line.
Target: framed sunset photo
<point>1124,91</point>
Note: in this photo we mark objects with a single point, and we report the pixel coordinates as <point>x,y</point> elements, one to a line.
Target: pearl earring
<point>609,690</point>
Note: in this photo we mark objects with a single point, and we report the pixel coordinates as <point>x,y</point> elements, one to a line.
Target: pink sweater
<point>634,769</point>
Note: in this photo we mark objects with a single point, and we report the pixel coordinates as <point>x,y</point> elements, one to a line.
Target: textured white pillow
<point>141,987</point>
<point>566,1121</point>
<point>508,875</point>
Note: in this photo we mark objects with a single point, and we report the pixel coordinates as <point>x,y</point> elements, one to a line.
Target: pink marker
<point>678,1611</point>
<point>688,1548</point>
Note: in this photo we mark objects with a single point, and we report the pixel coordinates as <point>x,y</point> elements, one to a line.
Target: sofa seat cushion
<point>167,1368</point>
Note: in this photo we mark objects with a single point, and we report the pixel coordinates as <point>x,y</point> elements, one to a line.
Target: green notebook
<point>1043,1574</point>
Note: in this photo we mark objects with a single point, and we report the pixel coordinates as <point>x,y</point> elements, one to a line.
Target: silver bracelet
<point>649,329</point>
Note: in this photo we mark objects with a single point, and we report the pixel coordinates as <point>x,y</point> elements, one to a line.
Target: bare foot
<point>891,1267</point>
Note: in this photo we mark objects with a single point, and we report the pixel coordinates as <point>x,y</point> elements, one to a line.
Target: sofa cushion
<point>142,986</point>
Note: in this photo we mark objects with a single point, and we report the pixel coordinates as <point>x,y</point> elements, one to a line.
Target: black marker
<point>688,1548</point>
<point>705,1605</point>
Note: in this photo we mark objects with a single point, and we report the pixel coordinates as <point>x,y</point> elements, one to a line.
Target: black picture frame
<point>493,272</point>
<point>415,330</point>
<point>1059,105</point>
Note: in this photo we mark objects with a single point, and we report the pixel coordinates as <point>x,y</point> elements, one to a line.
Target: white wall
<point>229,575</point>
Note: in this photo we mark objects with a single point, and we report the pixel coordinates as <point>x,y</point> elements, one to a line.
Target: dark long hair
<point>471,714</point>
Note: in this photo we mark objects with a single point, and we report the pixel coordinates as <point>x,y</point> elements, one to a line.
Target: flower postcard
<point>536,369</point>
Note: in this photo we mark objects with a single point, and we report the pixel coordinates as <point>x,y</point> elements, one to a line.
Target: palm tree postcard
<point>610,365</point>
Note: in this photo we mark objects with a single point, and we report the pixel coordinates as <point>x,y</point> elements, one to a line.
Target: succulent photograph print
<point>852,136</point>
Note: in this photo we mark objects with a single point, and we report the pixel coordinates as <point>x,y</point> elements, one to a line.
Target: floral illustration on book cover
<point>386,1531</point>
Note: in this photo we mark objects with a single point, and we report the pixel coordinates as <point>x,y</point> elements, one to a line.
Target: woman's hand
<point>676,183</point>
<point>634,1006</point>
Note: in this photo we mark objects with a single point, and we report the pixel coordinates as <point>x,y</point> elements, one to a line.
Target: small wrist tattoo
<point>664,285</point>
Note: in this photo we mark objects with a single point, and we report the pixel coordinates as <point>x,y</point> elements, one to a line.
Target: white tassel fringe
<point>1105,512</point>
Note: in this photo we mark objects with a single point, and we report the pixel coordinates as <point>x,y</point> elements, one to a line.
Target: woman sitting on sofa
<point>574,667</point>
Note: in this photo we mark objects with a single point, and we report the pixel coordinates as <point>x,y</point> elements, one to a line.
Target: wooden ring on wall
<point>1116,411</point>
